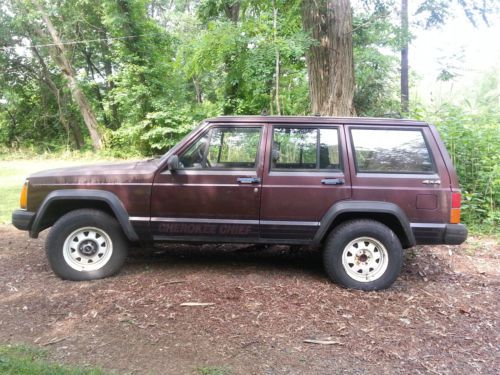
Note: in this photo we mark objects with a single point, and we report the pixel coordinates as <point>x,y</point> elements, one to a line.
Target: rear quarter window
<point>391,151</point>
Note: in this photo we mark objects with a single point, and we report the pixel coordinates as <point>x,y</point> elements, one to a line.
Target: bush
<point>472,139</point>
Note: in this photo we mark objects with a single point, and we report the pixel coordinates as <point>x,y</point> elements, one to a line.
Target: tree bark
<point>405,93</point>
<point>232,12</point>
<point>330,61</point>
<point>277,60</point>
<point>197,89</point>
<point>69,126</point>
<point>78,96</point>
<point>108,71</point>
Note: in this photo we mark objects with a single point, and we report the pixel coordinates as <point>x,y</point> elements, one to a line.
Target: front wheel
<point>85,245</point>
<point>363,254</point>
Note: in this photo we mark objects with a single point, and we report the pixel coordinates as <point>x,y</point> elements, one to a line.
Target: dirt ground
<point>440,317</point>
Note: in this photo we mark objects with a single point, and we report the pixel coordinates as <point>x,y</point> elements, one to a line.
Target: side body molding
<point>365,207</point>
<point>84,195</point>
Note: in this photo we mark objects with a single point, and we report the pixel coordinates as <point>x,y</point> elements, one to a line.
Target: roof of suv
<point>317,119</point>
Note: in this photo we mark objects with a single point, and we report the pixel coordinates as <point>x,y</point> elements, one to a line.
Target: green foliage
<point>375,40</point>
<point>472,140</point>
<point>158,132</point>
<point>151,70</point>
<point>210,370</point>
<point>24,360</point>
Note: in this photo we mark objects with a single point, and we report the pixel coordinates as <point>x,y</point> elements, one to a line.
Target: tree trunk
<point>69,127</point>
<point>405,94</point>
<point>233,11</point>
<point>330,61</point>
<point>108,71</point>
<point>77,94</point>
<point>277,60</point>
<point>232,88</point>
<point>197,89</point>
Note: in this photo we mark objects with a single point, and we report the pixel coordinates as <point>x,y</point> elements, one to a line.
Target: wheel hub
<point>88,248</point>
<point>362,258</point>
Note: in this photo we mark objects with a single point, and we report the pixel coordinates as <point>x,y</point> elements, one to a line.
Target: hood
<point>120,172</point>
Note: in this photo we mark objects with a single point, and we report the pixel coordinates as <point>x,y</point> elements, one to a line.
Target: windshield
<point>169,152</point>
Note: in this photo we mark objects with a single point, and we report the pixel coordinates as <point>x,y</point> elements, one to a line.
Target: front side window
<point>391,151</point>
<point>305,149</point>
<point>223,148</point>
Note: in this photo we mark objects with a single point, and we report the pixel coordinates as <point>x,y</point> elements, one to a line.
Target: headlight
<point>23,200</point>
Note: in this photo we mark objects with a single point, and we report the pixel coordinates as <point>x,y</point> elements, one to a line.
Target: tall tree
<point>60,58</point>
<point>436,13</point>
<point>330,62</point>
<point>405,94</point>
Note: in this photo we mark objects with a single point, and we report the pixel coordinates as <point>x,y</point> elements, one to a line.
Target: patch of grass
<point>25,360</point>
<point>210,370</point>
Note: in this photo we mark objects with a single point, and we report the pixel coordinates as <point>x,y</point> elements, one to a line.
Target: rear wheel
<point>85,245</point>
<point>363,254</point>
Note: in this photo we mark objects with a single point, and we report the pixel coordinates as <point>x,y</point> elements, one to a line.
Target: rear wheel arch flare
<point>386,213</point>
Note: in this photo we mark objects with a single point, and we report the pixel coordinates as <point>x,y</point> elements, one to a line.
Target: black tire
<point>115,253</point>
<point>347,236</point>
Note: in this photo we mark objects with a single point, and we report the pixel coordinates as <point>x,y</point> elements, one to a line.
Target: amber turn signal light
<point>23,201</point>
<point>455,216</point>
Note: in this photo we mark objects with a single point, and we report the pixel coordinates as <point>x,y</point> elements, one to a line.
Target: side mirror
<point>173,163</point>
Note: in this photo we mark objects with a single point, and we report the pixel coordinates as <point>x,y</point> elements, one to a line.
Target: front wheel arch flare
<point>84,198</point>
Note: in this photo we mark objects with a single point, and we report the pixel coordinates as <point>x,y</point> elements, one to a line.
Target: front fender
<point>107,197</point>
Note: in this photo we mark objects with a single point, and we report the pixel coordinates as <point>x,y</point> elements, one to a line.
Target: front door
<point>215,194</point>
<point>304,175</point>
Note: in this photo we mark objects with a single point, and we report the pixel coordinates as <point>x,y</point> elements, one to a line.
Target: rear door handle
<point>333,181</point>
<point>248,180</point>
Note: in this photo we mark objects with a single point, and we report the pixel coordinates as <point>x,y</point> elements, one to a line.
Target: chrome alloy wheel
<point>365,259</point>
<point>87,249</point>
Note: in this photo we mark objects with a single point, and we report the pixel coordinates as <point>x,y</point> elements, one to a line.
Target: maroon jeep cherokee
<point>361,189</point>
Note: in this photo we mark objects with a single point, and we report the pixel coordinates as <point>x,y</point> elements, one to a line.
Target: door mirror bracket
<point>173,163</point>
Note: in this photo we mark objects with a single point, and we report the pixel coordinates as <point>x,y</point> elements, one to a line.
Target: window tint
<point>223,148</point>
<point>393,151</point>
<point>297,148</point>
<point>233,148</point>
<point>329,149</point>
<point>194,155</point>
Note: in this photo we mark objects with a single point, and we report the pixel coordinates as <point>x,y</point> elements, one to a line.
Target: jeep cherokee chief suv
<point>360,189</point>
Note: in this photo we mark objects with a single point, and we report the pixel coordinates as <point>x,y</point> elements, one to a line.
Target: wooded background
<point>131,77</point>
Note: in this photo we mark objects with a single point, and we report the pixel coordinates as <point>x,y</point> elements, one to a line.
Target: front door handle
<point>248,180</point>
<point>333,181</point>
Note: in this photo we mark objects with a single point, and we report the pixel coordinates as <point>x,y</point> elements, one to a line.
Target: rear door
<point>304,175</point>
<point>401,165</point>
<point>215,194</point>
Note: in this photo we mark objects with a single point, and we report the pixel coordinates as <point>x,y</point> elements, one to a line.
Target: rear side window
<point>391,151</point>
<point>305,149</point>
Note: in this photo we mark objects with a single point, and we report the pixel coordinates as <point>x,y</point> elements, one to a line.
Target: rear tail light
<point>455,208</point>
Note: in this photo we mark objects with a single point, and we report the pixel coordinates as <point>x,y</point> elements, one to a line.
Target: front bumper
<point>22,219</point>
<point>439,234</point>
